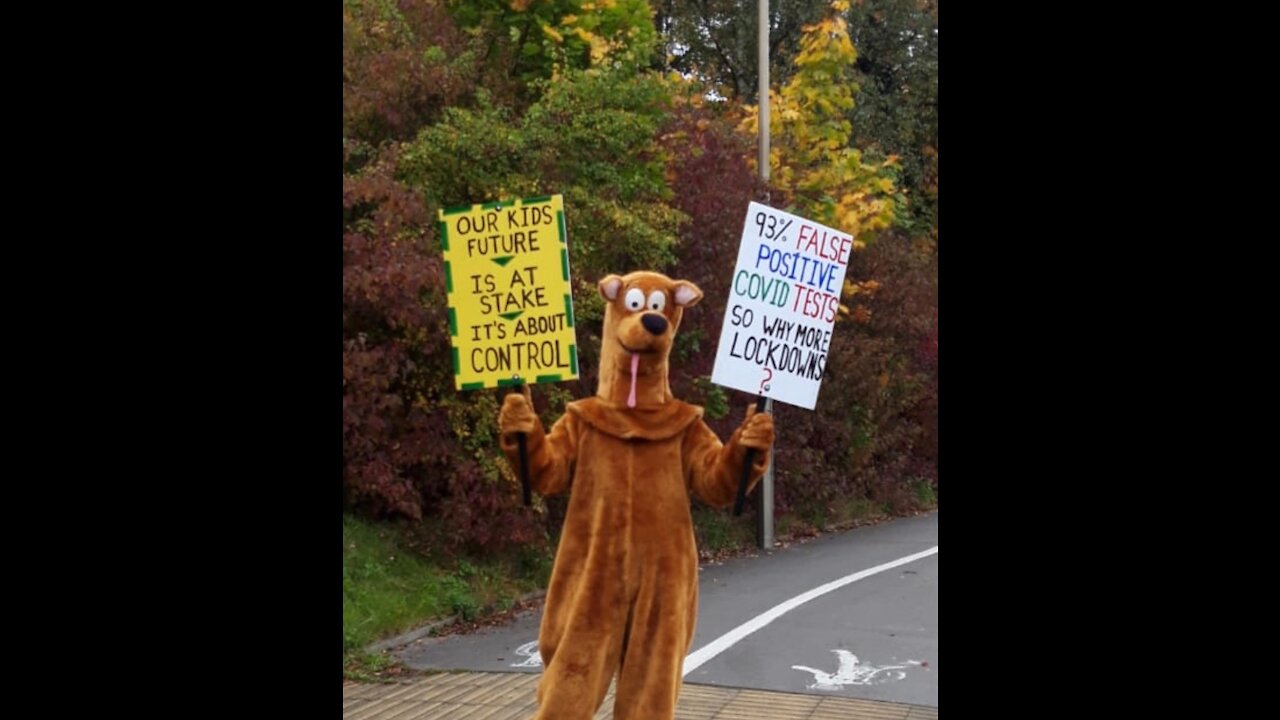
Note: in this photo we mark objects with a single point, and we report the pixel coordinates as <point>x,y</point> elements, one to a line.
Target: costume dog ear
<point>609,287</point>
<point>686,293</point>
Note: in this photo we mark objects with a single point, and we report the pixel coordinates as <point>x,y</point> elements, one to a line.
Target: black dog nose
<point>654,323</point>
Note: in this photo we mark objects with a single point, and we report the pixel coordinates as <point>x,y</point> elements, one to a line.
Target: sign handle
<point>522,440</point>
<point>746,467</point>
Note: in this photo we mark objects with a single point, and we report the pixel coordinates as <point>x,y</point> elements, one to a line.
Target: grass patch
<point>810,520</point>
<point>850,511</point>
<point>924,492</point>
<point>367,667</point>
<point>720,534</point>
<point>719,531</point>
<point>388,589</point>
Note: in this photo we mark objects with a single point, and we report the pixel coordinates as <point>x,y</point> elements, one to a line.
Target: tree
<point>529,40</point>
<point>716,40</point>
<point>402,64</point>
<point>811,155</point>
<point>897,110</point>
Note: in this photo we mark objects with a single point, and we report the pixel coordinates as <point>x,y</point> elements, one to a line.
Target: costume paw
<point>517,414</point>
<point>757,430</point>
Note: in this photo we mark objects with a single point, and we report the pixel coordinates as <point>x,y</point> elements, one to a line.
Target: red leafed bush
<point>403,62</point>
<point>712,183</point>
<point>388,438</point>
<point>411,445</point>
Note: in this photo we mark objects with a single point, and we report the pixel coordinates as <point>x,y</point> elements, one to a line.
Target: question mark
<point>763,387</point>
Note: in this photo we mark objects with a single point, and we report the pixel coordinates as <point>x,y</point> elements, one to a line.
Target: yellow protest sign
<point>506,267</point>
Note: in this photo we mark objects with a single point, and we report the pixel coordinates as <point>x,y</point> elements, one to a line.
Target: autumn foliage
<point>455,102</point>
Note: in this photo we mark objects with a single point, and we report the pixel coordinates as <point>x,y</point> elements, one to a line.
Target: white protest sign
<point>783,302</point>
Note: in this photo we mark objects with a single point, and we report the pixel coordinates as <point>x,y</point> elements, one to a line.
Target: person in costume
<point>624,587</point>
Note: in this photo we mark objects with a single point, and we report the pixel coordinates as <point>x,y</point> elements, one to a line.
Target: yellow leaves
<point>844,47</point>
<point>852,220</point>
<point>599,47</point>
<point>784,175</point>
<point>852,199</point>
<point>858,212</point>
<point>867,288</point>
<point>568,19</point>
<point>553,33</point>
<point>521,5</point>
<point>860,314</point>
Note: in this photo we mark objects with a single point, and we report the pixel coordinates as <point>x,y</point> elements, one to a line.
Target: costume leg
<point>660,632</point>
<point>582,642</point>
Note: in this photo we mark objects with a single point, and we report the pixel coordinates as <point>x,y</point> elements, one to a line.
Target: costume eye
<point>635,299</point>
<point>657,300</point>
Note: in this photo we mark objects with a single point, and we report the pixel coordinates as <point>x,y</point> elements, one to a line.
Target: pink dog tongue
<point>635,363</point>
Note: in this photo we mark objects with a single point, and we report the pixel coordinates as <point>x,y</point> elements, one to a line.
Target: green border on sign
<point>564,271</point>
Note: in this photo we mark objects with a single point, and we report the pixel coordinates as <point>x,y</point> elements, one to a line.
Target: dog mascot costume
<point>624,589</point>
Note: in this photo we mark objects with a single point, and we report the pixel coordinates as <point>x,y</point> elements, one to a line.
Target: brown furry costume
<point>624,589</point>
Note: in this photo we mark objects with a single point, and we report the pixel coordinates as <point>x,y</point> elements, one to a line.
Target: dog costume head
<point>641,316</point>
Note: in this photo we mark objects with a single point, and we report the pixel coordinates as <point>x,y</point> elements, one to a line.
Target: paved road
<point>873,637</point>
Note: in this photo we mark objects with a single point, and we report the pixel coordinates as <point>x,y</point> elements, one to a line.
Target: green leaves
<point>591,137</point>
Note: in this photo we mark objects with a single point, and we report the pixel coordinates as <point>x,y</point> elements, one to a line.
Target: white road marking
<point>696,658</point>
<point>531,657</point>
<point>851,672</point>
